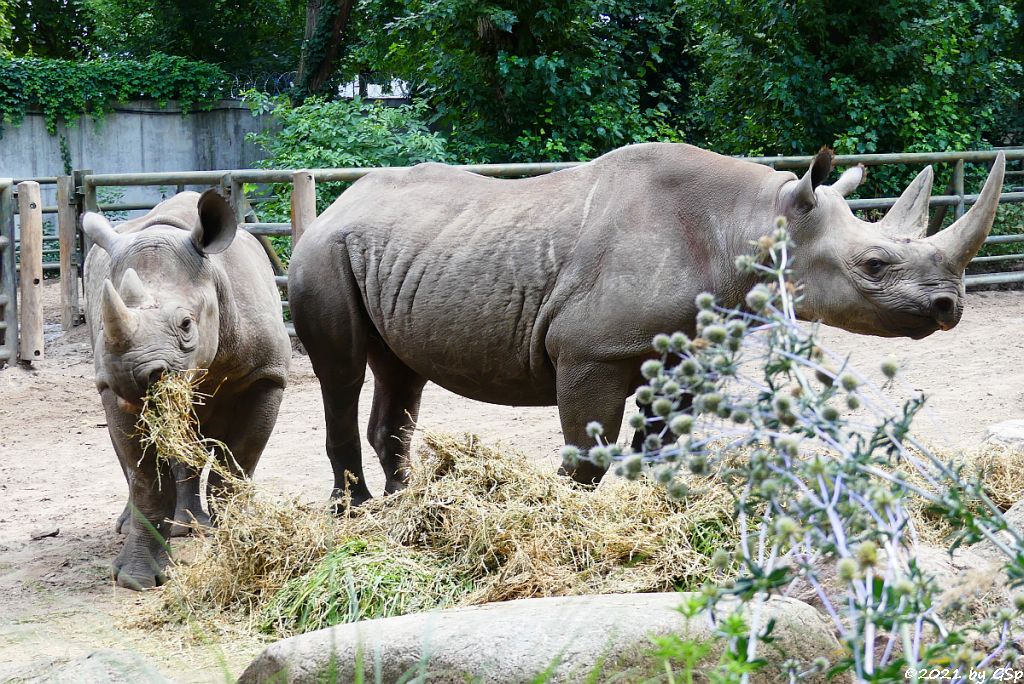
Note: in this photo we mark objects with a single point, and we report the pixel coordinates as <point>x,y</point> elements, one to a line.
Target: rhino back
<point>479,283</point>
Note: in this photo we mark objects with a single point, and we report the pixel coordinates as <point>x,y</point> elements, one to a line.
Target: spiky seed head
<point>724,411</point>
<point>633,465</point>
<point>570,454</point>
<point>681,424</point>
<point>715,334</point>
<point>830,413</point>
<point>662,407</point>
<point>705,300</point>
<point>594,429</point>
<point>737,328</point>
<point>688,368</point>
<point>783,403</point>
<point>637,421</point>
<point>781,222</point>
<point>866,553</point>
<point>758,297</point>
<point>848,382</point>
<point>853,402</point>
<point>846,569</point>
<point>671,388</point>
<point>890,367</point>
<point>740,416</point>
<point>698,464</point>
<point>651,368</point>
<point>1018,602</point>
<point>787,527</point>
<point>745,263</point>
<point>661,343</point>
<point>652,442</point>
<point>678,490</point>
<point>720,559</point>
<point>679,342</point>
<point>709,402</point>
<point>706,317</point>
<point>665,474</point>
<point>644,394</point>
<point>903,586</point>
<point>770,488</point>
<point>601,456</point>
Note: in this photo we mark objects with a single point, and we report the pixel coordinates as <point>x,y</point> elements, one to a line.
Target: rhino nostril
<point>944,306</point>
<point>150,375</point>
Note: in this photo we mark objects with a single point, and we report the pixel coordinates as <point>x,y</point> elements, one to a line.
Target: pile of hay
<point>476,524</point>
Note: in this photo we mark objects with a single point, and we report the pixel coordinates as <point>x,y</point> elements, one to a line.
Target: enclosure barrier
<point>77,194</point>
<point>8,292</point>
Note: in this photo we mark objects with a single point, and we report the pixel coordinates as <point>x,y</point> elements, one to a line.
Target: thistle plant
<point>822,468</point>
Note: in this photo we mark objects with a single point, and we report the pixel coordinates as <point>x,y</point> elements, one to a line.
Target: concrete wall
<point>135,137</point>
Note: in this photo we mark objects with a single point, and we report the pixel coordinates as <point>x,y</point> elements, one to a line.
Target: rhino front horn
<point>119,322</point>
<point>962,240</point>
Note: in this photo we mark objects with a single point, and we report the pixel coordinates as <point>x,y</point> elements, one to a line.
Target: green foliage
<point>360,580</point>
<point>895,75</point>
<point>48,28</point>
<point>66,89</point>
<point>320,133</point>
<point>532,81</point>
<point>239,35</point>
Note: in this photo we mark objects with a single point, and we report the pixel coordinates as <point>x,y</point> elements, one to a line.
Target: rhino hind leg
<point>588,392</point>
<point>396,406</point>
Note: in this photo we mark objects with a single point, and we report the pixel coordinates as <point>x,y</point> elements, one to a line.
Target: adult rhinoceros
<point>190,294</point>
<point>548,290</point>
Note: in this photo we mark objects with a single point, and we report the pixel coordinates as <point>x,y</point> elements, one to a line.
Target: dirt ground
<point>58,471</point>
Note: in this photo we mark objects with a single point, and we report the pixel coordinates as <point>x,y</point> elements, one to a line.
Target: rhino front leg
<point>151,497</point>
<point>587,392</point>
<point>244,425</point>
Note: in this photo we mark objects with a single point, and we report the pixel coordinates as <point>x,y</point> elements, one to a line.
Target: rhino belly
<point>480,337</point>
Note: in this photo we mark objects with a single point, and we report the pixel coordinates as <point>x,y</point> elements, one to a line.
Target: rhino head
<point>159,309</point>
<point>885,278</point>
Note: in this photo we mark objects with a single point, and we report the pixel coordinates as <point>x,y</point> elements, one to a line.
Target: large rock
<point>1008,432</point>
<point>515,641</point>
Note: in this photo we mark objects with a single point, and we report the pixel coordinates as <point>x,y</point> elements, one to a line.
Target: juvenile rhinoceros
<point>548,290</point>
<point>177,289</point>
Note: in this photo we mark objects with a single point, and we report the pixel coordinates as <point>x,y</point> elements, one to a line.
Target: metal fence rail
<point>78,193</point>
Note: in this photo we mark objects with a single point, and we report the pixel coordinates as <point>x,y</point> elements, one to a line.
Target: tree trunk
<point>326,21</point>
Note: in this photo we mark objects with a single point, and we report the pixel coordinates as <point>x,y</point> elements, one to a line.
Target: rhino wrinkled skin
<point>180,288</point>
<point>548,290</point>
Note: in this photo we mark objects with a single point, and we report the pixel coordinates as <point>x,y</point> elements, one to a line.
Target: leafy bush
<point>823,473</point>
<point>66,89</point>
<point>320,133</point>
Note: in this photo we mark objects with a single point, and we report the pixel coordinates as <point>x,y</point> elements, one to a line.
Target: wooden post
<point>958,188</point>
<point>8,276</point>
<point>85,198</point>
<point>30,215</point>
<point>303,203</point>
<point>67,230</point>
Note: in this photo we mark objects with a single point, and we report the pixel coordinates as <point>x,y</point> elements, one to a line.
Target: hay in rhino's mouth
<point>169,425</point>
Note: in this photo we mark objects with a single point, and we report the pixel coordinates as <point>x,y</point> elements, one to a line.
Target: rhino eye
<point>874,267</point>
<point>186,325</point>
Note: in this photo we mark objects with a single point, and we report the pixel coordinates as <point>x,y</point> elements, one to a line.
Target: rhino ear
<point>801,198</point>
<point>851,178</point>
<point>98,229</point>
<point>216,226</point>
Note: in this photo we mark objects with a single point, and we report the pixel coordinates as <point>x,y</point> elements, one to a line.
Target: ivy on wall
<point>66,89</point>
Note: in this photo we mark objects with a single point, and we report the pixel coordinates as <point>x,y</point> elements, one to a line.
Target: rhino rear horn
<point>98,229</point>
<point>962,240</point>
<point>132,290</point>
<point>908,218</point>
<point>216,228</point>
<point>119,322</point>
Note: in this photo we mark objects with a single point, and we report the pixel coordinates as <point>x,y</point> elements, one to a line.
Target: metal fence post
<point>958,188</point>
<point>303,203</point>
<point>30,219</point>
<point>8,276</point>
<point>67,231</point>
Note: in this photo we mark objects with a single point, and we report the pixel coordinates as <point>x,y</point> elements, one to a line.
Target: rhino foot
<point>186,522</point>
<point>141,563</point>
<point>343,505</point>
<point>121,527</point>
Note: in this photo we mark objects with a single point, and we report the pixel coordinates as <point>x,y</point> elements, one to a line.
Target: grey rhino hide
<point>180,289</point>
<point>548,290</point>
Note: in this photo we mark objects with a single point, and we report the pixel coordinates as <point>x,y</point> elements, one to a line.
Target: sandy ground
<point>58,470</point>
